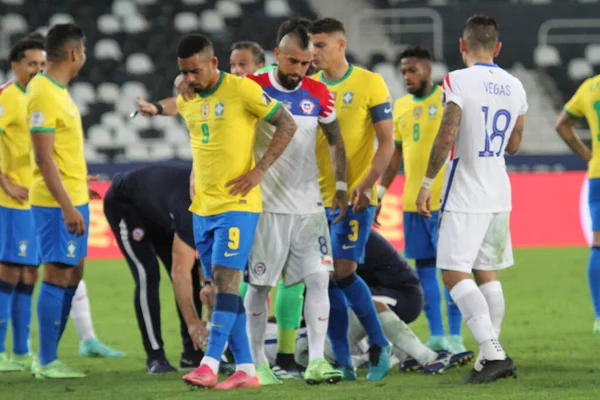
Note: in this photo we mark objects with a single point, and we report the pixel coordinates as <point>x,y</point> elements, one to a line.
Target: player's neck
<point>479,59</point>
<point>425,92</point>
<point>214,81</point>
<point>58,73</point>
<point>337,71</point>
<point>22,83</point>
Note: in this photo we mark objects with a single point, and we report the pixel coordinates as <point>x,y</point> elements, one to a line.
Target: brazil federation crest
<point>432,111</point>
<point>417,111</point>
<point>307,106</point>
<point>205,111</point>
<point>348,98</point>
<point>71,248</point>
<point>23,248</point>
<point>219,109</point>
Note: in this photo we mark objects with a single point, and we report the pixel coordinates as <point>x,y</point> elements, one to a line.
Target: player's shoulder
<point>7,89</point>
<point>39,86</point>
<point>404,100</point>
<point>314,87</point>
<point>262,78</point>
<point>592,82</point>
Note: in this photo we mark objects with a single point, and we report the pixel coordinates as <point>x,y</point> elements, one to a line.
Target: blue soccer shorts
<point>18,241</point>
<point>349,236</point>
<point>420,235</point>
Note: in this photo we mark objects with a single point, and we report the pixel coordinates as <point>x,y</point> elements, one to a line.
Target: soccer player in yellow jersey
<point>417,118</point>
<point>18,247</point>
<point>59,192</point>
<point>364,109</point>
<point>586,104</point>
<point>227,200</point>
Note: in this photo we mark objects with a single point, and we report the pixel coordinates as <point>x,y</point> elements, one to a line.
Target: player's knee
<point>58,274</point>
<point>226,280</point>
<point>343,268</point>
<point>29,275</point>
<point>426,262</point>
<point>451,278</point>
<point>10,273</point>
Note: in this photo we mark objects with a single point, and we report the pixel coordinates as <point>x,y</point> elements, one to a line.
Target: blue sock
<point>454,315</point>
<point>6,292</point>
<point>361,301</point>
<point>21,318</point>
<point>594,279</point>
<point>66,308</point>
<point>433,298</point>
<point>339,323</point>
<point>223,318</point>
<point>49,311</point>
<point>238,338</point>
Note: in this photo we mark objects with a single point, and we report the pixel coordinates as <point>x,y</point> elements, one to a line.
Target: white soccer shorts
<point>289,244</point>
<point>468,242</point>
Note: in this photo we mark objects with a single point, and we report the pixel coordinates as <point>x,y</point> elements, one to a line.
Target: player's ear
<point>342,44</point>
<point>462,44</point>
<point>497,49</point>
<point>214,62</point>
<point>276,52</point>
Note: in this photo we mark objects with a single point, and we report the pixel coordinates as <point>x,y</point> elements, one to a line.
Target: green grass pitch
<point>547,331</point>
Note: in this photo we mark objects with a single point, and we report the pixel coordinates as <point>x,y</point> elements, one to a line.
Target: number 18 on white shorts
<point>295,245</point>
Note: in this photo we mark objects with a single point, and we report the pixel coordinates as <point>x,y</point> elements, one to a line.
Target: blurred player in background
<point>149,221</point>
<point>417,118</point>
<point>585,103</point>
<point>59,193</point>
<point>364,109</point>
<point>227,199</point>
<point>292,237</point>
<point>483,105</point>
<point>246,58</point>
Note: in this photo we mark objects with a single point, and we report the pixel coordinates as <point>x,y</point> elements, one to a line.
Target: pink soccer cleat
<point>239,380</point>
<point>202,376</point>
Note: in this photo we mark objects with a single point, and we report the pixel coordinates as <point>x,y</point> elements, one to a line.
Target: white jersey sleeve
<point>490,100</point>
<point>327,114</point>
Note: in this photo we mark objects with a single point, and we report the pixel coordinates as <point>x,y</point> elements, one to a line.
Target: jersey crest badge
<point>432,111</point>
<point>417,112</point>
<point>138,234</point>
<point>219,109</point>
<point>266,98</point>
<point>307,106</point>
<point>36,119</point>
<point>205,110</point>
<point>348,98</point>
<point>259,268</point>
<point>71,247</point>
<point>23,248</point>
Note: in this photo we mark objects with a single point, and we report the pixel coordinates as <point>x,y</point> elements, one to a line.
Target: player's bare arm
<point>17,192</point>
<point>564,127</point>
<point>166,106</point>
<point>388,178</point>
<point>43,144</point>
<point>184,258</point>
<point>516,136</point>
<point>285,127</point>
<point>337,153</point>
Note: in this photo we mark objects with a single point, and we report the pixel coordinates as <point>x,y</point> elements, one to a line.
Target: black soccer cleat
<point>492,371</point>
<point>159,366</point>
<point>189,361</point>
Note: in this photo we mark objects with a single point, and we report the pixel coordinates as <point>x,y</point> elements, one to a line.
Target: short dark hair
<point>193,44</point>
<point>290,25</point>
<point>416,51</point>
<point>36,36</point>
<point>17,51</point>
<point>327,25</point>
<point>300,33</point>
<point>58,37</point>
<point>256,49</point>
<point>481,31</point>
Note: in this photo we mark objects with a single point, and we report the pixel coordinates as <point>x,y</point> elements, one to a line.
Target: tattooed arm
<point>564,127</point>
<point>285,127</point>
<point>515,137</point>
<point>444,140</point>
<point>337,151</point>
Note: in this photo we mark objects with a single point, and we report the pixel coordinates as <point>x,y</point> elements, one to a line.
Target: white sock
<point>316,313</point>
<point>257,315</point>
<point>476,314</point>
<point>213,363</point>
<point>492,291</point>
<point>404,339</point>
<point>81,313</point>
<point>249,369</point>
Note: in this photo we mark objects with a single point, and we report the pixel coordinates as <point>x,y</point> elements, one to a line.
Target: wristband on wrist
<point>381,191</point>
<point>159,108</point>
<point>427,183</point>
<point>342,186</point>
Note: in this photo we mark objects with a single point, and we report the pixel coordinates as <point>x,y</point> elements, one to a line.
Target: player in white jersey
<point>484,116</point>
<point>293,235</point>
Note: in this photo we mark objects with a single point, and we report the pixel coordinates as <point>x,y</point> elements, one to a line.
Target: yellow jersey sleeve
<point>256,101</point>
<point>380,102</point>
<point>575,107</point>
<point>7,112</point>
<point>398,123</point>
<point>42,112</point>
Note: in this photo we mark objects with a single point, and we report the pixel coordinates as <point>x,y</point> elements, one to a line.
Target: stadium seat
<point>438,71</point>
<point>546,56</point>
<point>193,2</point>
<point>137,152</point>
<point>92,156</point>
<point>277,8</point>
<point>112,120</point>
<point>211,21</point>
<point>140,123</point>
<point>592,54</point>
<point>162,152</point>
<point>124,9</point>
<point>108,24</point>
<point>269,57</point>
<point>228,9</point>
<point>146,2</point>
<point>14,23</point>
<point>177,135</point>
<point>135,24</point>
<point>13,2</point>
<point>100,137</point>
<point>139,64</point>
<point>184,152</point>
<point>126,136</point>
<point>108,92</point>
<point>108,49</point>
<point>392,79</point>
<point>60,18</point>
<point>579,69</point>
<point>83,93</point>
<point>186,22</point>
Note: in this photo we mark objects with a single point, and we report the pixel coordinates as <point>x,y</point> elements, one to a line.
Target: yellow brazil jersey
<point>50,109</point>
<point>222,125</point>
<point>15,142</point>
<point>586,103</point>
<point>361,99</point>
<point>416,124</point>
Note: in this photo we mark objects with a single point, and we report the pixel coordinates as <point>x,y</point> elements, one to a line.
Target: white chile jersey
<point>491,100</point>
<point>290,185</point>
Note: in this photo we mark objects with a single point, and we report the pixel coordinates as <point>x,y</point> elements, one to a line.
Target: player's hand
<point>376,222</point>
<point>361,198</point>
<point>245,183</point>
<point>147,109</point>
<point>340,200</point>
<point>74,221</point>
<point>184,89</point>
<point>198,333</point>
<point>17,192</point>
<point>94,195</point>
<point>424,203</point>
